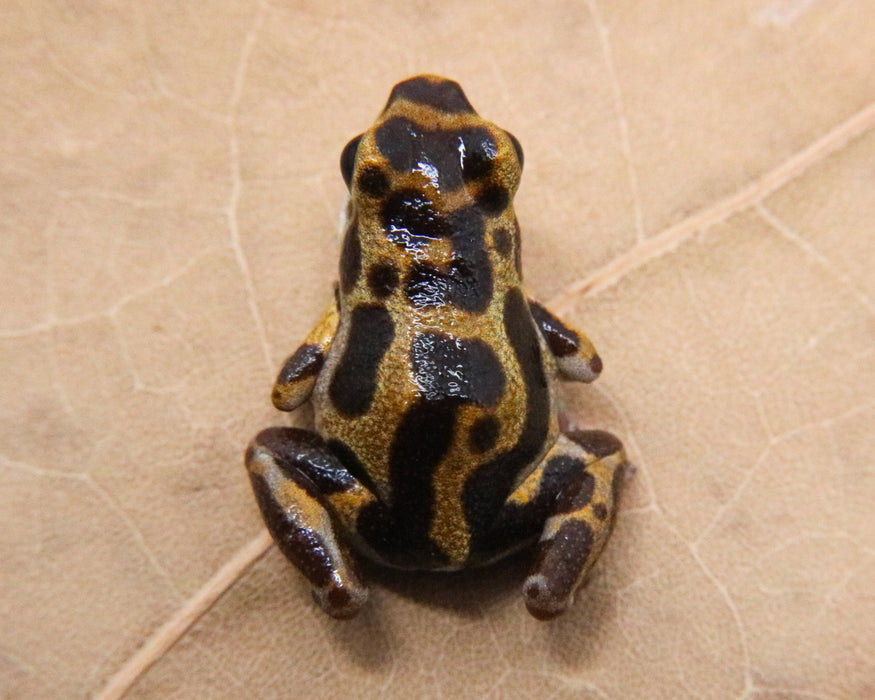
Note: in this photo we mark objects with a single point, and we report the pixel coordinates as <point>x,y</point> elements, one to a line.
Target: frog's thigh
<point>580,519</point>
<point>304,492</point>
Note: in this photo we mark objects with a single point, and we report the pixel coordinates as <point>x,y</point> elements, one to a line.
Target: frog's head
<point>430,146</point>
<point>431,186</point>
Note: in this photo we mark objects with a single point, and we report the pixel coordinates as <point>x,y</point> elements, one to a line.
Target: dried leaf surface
<point>698,195</point>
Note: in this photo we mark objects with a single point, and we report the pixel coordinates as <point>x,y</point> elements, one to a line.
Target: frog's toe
<point>541,600</point>
<point>341,600</point>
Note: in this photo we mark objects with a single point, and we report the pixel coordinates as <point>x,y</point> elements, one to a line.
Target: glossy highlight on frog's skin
<point>432,378</point>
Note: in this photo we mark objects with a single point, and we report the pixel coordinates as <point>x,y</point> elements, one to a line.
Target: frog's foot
<point>305,493</point>
<point>590,465</point>
<point>575,355</point>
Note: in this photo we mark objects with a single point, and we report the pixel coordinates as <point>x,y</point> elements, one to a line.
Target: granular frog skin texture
<point>432,377</point>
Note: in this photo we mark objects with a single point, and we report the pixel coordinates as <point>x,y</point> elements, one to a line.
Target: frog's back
<point>434,390</point>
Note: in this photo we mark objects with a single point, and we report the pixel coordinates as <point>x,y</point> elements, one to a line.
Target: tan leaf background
<point>698,195</point>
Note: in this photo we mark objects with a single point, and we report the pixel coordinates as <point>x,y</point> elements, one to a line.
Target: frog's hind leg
<point>570,499</point>
<point>304,493</point>
<point>580,521</point>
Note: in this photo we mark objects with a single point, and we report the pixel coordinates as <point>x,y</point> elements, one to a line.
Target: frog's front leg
<point>571,498</point>
<point>306,495</point>
<point>575,354</point>
<point>298,376</point>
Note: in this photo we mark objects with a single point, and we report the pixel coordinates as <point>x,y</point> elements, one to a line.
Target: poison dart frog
<point>437,443</point>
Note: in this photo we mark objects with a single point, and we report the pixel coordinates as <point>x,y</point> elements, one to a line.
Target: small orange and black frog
<point>432,376</point>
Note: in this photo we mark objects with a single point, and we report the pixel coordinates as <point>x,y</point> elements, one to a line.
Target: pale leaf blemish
<point>782,13</point>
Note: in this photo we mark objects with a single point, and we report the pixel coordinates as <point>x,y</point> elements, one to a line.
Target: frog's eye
<point>516,147</point>
<point>347,159</point>
<point>478,151</point>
